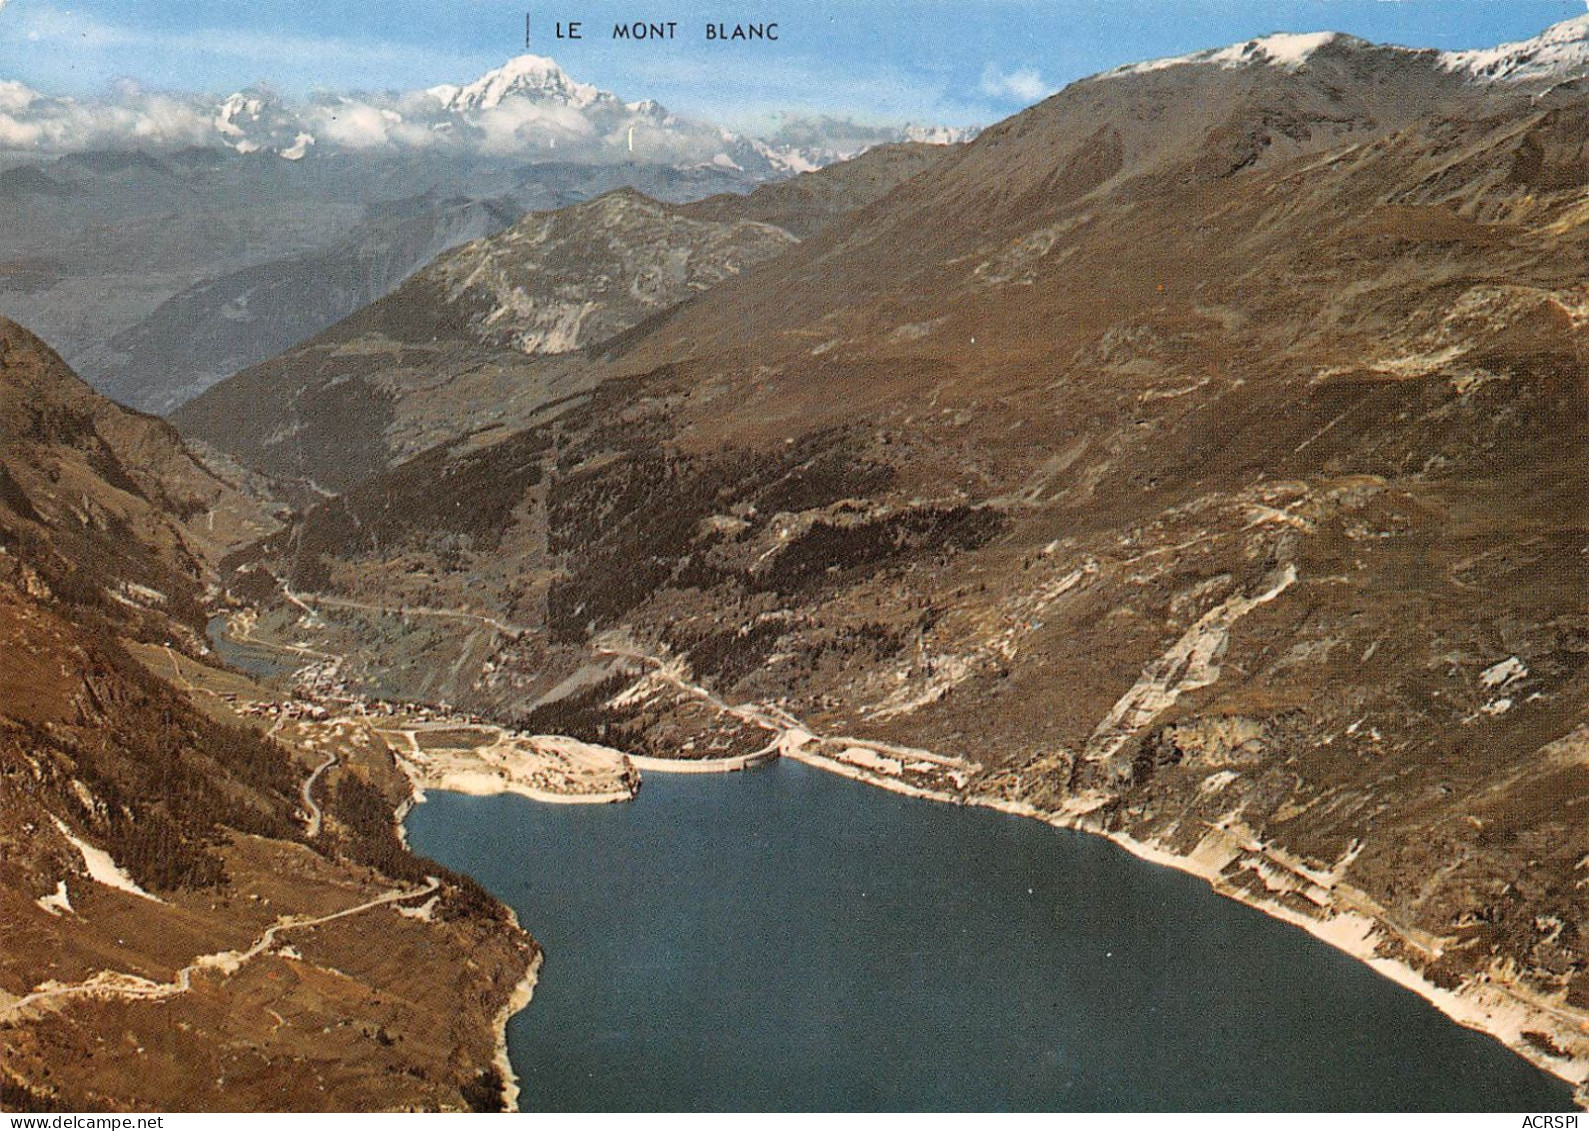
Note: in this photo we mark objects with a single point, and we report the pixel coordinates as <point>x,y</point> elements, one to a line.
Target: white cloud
<point>515,123</point>
<point>353,124</point>
<point>1023,85</point>
<point>13,95</point>
<point>29,121</point>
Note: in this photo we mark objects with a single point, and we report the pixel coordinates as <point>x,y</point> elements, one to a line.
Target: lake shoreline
<point>1489,1008</point>
<point>518,1001</point>
<point>1498,1010</point>
<point>1492,1009</point>
<point>523,991</point>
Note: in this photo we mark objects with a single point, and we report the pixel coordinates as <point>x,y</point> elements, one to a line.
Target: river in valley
<point>787,939</point>
<point>259,660</point>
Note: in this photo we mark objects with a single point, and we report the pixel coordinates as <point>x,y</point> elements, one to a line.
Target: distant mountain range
<point>529,108</point>
<point>504,323</point>
<point>162,242</point>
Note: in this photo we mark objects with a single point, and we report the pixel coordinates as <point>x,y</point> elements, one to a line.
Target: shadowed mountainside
<point>489,333</point>
<point>1194,457</point>
<point>158,883</point>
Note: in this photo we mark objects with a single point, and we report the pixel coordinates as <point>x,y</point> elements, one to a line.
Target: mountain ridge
<point>1559,53</point>
<point>155,856</point>
<point>527,105</point>
<point>1192,458</point>
<point>499,323</point>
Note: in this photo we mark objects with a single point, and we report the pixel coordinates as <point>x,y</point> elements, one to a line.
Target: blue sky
<point>955,61</point>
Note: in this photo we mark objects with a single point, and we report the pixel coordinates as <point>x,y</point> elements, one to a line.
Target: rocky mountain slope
<point>176,913</point>
<point>562,281</point>
<point>1195,458</point>
<point>155,274</point>
<point>214,328</point>
<point>489,332</point>
<point>803,206</point>
<point>110,505</point>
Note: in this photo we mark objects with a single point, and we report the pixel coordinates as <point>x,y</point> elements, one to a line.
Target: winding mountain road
<point>790,732</point>
<point>131,987</point>
<point>306,601</point>
<point>315,815</point>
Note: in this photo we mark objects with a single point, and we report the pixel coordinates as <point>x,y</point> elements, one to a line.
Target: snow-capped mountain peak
<point>1287,50</point>
<point>232,108</point>
<point>940,135</point>
<point>528,107</point>
<point>527,76</point>
<point>650,110</point>
<point>1559,52</point>
<point>256,119</point>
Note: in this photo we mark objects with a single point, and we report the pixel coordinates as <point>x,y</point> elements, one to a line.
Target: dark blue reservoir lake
<point>787,939</point>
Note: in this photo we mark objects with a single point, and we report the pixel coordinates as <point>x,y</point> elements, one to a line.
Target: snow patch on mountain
<point>299,147</point>
<point>1286,50</point>
<point>532,76</point>
<point>939,135</point>
<point>1560,52</point>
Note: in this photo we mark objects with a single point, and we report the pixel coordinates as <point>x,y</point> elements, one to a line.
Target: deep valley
<point>1195,459</point>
